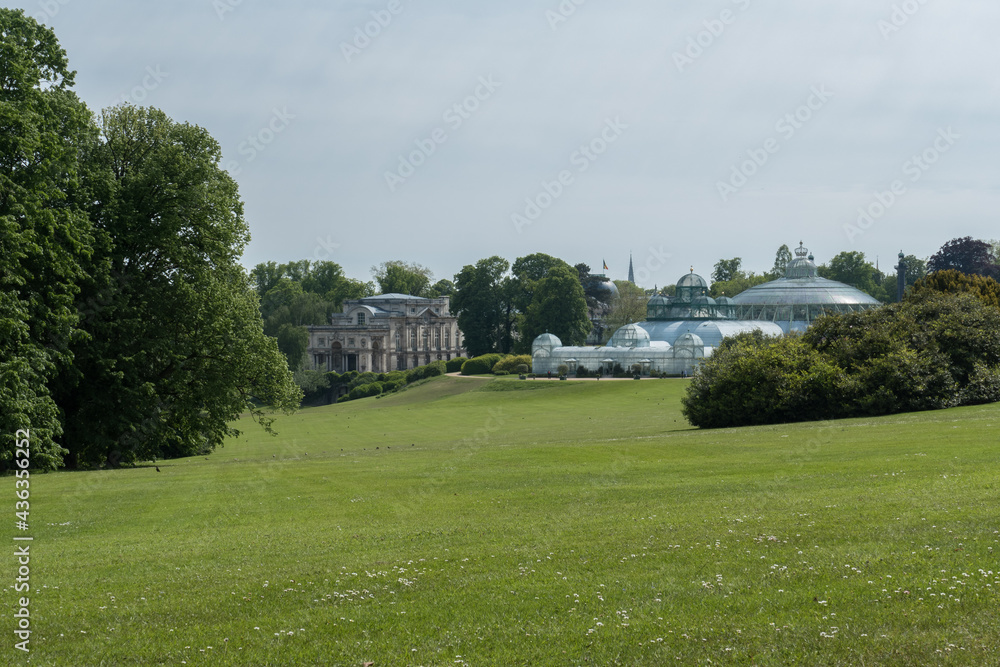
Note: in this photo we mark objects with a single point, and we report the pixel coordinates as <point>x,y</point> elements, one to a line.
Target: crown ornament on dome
<point>802,250</point>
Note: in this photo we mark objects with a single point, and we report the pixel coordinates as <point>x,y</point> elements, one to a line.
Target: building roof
<point>394,297</point>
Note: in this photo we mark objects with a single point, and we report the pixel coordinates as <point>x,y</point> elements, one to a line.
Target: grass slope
<point>529,523</point>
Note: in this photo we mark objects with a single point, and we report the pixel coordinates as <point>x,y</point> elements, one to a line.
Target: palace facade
<point>386,333</point>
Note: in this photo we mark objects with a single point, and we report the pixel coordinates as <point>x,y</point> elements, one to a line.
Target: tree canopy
<point>558,306</point>
<point>398,277</point>
<point>968,255</point>
<point>132,331</point>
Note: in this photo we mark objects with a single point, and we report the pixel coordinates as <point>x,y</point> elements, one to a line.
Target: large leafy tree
<point>527,272</point>
<point>398,277</point>
<point>781,259</point>
<point>175,352</point>
<point>45,236</point>
<point>483,305</point>
<point>558,306</point>
<point>727,269</point>
<point>968,255</point>
<point>852,268</point>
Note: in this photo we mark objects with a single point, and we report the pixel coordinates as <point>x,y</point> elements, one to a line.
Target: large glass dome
<point>800,297</point>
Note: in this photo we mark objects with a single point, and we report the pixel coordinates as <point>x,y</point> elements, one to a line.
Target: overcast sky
<point>682,132</point>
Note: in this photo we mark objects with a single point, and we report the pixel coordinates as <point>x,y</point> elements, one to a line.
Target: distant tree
<point>441,288</point>
<point>852,268</point>
<point>293,341</point>
<point>527,272</point>
<point>627,307</point>
<point>482,304</point>
<point>915,269</point>
<point>967,255</point>
<point>781,260</point>
<point>558,306</point>
<point>731,288</point>
<point>727,269</point>
<point>397,277</point>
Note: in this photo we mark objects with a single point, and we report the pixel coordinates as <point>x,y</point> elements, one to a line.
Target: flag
<point>605,264</point>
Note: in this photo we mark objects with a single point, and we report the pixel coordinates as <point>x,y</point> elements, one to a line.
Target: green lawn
<point>472,522</point>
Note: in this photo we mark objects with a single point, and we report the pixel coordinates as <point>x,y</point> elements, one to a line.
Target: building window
<point>350,342</point>
<point>447,340</point>
<point>361,319</point>
<point>427,340</point>
<point>437,339</point>
<point>413,339</point>
<point>322,342</point>
<point>397,340</point>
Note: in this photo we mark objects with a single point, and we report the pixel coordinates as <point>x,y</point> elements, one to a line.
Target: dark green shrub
<point>455,365</point>
<point>500,373</point>
<point>582,372</point>
<point>562,370</point>
<point>365,390</point>
<point>362,379</point>
<point>435,369</point>
<point>481,365</point>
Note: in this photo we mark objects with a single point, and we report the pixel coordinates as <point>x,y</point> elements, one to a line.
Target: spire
<point>631,273</point>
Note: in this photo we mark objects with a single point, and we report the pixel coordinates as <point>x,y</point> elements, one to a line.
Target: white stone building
<point>386,333</point>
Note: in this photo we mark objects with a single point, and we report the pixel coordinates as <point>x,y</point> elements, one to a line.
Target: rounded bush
<point>481,365</point>
<point>512,364</point>
<point>455,365</point>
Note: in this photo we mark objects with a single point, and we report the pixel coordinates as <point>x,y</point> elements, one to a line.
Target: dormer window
<point>361,319</point>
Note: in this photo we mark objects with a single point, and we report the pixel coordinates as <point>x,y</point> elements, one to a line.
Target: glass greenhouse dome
<point>793,302</point>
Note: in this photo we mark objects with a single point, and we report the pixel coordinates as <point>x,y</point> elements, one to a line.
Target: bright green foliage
<point>738,284</point>
<point>558,306</point>
<point>45,237</point>
<point>398,277</point>
<point>482,364</point>
<point>482,303</point>
<point>953,282</point>
<point>510,364</point>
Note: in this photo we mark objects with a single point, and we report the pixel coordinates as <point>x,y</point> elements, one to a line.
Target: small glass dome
<point>547,340</point>
<point>630,335</point>
<point>689,340</point>
<point>802,266</point>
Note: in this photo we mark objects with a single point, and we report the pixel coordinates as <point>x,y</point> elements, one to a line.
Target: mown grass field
<point>549,523</point>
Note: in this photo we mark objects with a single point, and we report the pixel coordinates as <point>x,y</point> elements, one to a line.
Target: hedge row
<point>931,351</point>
